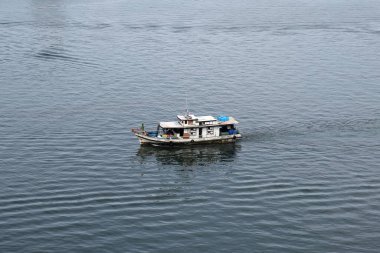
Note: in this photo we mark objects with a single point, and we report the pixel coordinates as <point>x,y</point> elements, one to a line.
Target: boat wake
<point>60,54</point>
<point>306,128</point>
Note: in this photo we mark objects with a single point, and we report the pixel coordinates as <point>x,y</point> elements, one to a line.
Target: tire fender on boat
<point>192,141</point>
<point>234,137</point>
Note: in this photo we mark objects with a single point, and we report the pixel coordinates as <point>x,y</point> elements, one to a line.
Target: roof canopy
<point>206,118</point>
<point>193,117</point>
<point>172,124</point>
<point>176,124</point>
<point>187,117</point>
<point>230,121</point>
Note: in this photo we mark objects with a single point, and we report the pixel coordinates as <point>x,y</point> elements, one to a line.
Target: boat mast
<point>187,108</point>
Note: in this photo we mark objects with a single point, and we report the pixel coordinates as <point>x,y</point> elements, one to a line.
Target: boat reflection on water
<point>189,155</point>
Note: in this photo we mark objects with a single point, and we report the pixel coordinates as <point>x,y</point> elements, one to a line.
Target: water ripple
<point>302,79</point>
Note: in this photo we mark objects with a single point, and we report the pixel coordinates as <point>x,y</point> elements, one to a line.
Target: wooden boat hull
<point>155,141</point>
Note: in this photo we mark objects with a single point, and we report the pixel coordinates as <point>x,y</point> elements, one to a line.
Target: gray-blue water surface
<point>301,76</point>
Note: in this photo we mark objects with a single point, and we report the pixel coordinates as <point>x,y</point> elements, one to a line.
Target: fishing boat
<point>190,129</point>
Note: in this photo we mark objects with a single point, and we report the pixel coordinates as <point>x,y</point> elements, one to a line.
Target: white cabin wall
<point>216,131</point>
<point>196,135</point>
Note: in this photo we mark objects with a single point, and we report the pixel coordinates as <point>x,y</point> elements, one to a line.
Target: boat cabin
<point>192,127</point>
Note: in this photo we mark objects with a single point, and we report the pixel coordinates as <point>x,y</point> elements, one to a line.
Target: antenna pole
<point>187,108</point>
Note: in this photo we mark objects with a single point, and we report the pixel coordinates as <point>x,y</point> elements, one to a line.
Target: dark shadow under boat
<point>189,155</point>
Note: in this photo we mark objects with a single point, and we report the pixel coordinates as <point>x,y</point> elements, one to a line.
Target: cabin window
<point>210,131</point>
<point>193,131</point>
<point>186,122</point>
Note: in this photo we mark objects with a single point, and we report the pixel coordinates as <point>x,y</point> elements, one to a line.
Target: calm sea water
<point>301,76</point>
